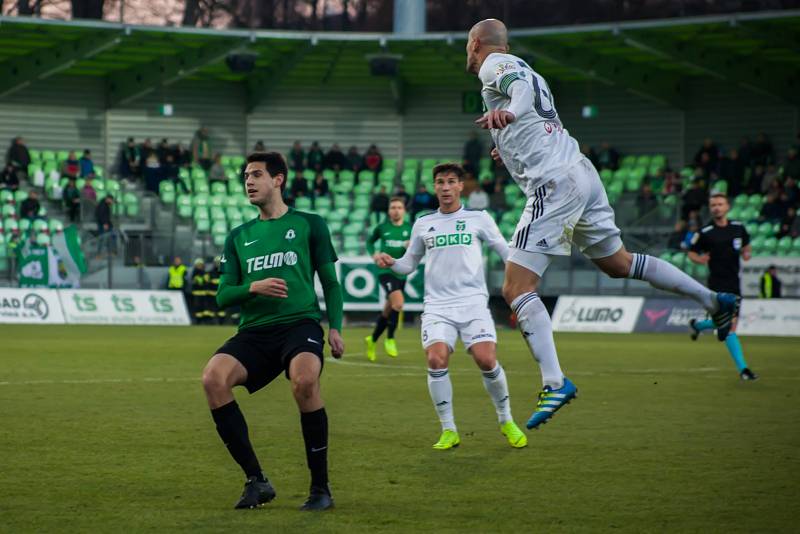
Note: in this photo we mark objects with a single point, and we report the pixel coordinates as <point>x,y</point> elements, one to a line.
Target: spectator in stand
<point>478,199</point>
<point>772,210</point>
<point>763,153</point>
<point>171,172</point>
<point>130,162</point>
<point>373,159</point>
<point>105,227</point>
<point>86,164</point>
<point>756,180</point>
<point>423,200</point>
<point>746,152</point>
<point>590,154</point>
<point>707,156</point>
<point>88,192</point>
<point>321,186</point>
<point>473,152</point>
<point>335,159</point>
<point>792,191</point>
<point>488,185</point>
<point>788,222</point>
<point>183,158</point>
<point>354,160</point>
<point>146,150</point>
<point>297,157</point>
<point>29,209</point>
<point>9,178</point>
<point>771,176</point>
<point>152,172</point>
<point>707,165</point>
<point>677,238</point>
<point>772,185</point>
<point>672,183</point>
<point>693,227</point>
<point>315,158</point>
<point>202,152</point>
<point>380,202</point>
<point>646,200</point>
<point>791,167</point>
<point>608,157</point>
<point>71,196</point>
<point>731,169</point>
<point>401,192</point>
<point>217,171</point>
<point>259,146</point>
<point>299,186</point>
<point>694,198</point>
<point>162,151</point>
<point>71,166</point>
<point>497,200</point>
<point>19,156</point>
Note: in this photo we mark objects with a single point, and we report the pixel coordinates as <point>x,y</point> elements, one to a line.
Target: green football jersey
<point>291,247</point>
<point>394,241</point>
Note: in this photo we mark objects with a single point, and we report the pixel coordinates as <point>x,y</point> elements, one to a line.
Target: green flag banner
<point>59,265</point>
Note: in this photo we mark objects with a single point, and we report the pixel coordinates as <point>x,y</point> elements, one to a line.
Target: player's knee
<point>618,269</point>
<point>511,290</point>
<point>213,380</point>
<point>437,359</point>
<point>397,307</point>
<point>304,386</point>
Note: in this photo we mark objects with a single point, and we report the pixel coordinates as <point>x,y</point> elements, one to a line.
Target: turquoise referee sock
<point>735,348</point>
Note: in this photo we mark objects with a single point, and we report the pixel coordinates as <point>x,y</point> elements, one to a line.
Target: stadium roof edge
<point>731,19</point>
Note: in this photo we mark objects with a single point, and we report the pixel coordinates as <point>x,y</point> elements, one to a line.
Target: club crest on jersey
<point>290,234</point>
<point>461,226</point>
<point>504,67</point>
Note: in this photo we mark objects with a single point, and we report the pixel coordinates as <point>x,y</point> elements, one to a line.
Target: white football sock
<point>536,327</point>
<point>441,390</point>
<point>495,383</point>
<point>663,275</point>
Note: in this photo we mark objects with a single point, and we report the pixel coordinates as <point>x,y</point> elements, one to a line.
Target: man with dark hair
<point>456,299</point>
<point>19,156</point>
<point>268,269</point>
<point>29,208</point>
<point>380,202</point>
<point>86,164</point>
<point>719,245</point>
<point>105,227</point>
<point>393,235</point>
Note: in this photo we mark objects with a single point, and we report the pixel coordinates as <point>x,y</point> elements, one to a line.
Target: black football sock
<point>380,326</point>
<point>392,323</point>
<point>315,435</point>
<point>232,428</point>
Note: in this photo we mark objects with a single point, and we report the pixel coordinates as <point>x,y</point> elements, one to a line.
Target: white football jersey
<point>454,273</point>
<point>536,147</point>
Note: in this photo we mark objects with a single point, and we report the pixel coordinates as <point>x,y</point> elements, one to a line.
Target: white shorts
<point>473,324</point>
<point>572,209</point>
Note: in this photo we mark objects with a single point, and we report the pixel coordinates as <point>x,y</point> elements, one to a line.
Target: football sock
<point>496,385</point>
<point>735,348</point>
<point>441,390</point>
<point>315,435</point>
<point>380,326</point>
<point>705,324</point>
<point>663,275</point>
<point>232,428</point>
<point>392,323</point>
<point>536,327</point>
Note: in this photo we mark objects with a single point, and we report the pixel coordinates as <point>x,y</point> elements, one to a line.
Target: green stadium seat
<point>757,243</point>
<point>755,201</point>
<point>219,200</point>
<point>249,212</point>
<point>244,202</point>
<point>54,226</point>
<point>302,203</point>
<point>765,229</point>
<point>408,174</point>
<point>701,272</point>
<point>342,201</point>
<point>643,161</point>
<point>62,155</point>
<point>36,155</point>
<point>337,215</point>
<point>359,215</point>
<point>166,192</point>
<point>740,201</point>
<point>219,226</point>
<point>606,175</point>
<point>48,155</point>
<point>200,200</point>
<point>309,175</point>
<point>42,239</point>
<point>200,186</point>
<point>748,214</point>
<point>39,225</point>
<point>361,202</point>
<point>485,164</point>
<point>232,201</point>
<point>734,214</point>
<point>348,176</point>
<point>24,225</point>
<point>770,246</point>
<point>8,210</point>
<point>679,260</point>
<point>329,174</point>
<point>343,188</point>
<point>131,202</point>
<point>184,204</point>
<point>796,244</point>
<point>410,163</point>
<point>429,163</point>
<point>237,161</point>
<point>353,229</point>
<point>784,246</point>
<point>6,196</point>
<point>621,175</point>
<point>219,188</point>
<point>10,225</point>
<point>335,226</point>
<point>628,161</point>
<point>217,213</point>
<point>658,159</point>
<point>323,202</point>
<point>235,186</point>
<point>720,186</point>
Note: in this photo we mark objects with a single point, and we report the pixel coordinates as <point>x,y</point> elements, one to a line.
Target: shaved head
<point>490,32</point>
<point>486,37</point>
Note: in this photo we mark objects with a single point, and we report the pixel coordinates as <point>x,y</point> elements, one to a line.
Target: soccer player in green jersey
<point>393,235</point>
<point>268,270</point>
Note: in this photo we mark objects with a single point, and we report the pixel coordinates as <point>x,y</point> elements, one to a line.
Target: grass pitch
<point>106,428</point>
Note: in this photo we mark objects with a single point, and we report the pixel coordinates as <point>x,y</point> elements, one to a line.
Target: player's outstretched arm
<point>492,237</point>
<point>410,260</point>
<point>334,303</point>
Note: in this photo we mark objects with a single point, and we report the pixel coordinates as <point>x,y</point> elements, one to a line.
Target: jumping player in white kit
<point>566,204</point>
<point>456,299</point>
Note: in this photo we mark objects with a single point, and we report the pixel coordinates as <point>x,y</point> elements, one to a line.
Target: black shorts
<point>266,351</point>
<point>391,283</point>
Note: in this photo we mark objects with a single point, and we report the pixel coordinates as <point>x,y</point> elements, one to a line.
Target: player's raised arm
<point>414,253</point>
<point>490,234</point>
<point>231,291</point>
<point>372,239</point>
